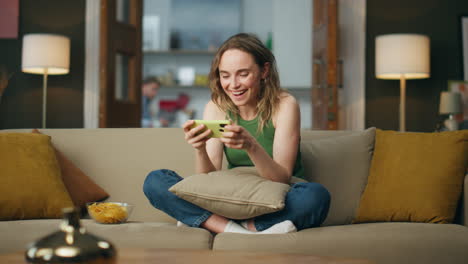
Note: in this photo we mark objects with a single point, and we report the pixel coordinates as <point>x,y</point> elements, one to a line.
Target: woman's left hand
<point>237,137</point>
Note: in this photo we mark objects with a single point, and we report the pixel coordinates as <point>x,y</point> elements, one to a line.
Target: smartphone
<point>216,126</point>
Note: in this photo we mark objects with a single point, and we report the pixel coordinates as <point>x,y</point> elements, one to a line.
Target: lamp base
<point>451,124</point>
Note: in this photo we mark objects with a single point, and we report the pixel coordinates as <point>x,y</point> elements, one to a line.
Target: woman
<point>265,133</point>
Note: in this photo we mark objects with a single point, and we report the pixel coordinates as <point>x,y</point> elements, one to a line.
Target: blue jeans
<point>306,204</point>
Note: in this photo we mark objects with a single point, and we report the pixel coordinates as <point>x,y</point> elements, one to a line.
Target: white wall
<point>303,97</point>
<point>257,17</point>
<point>352,42</point>
<point>161,8</point>
<point>292,41</point>
<point>91,82</point>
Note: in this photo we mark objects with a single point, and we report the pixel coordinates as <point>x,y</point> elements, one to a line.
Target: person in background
<point>245,88</point>
<point>149,91</point>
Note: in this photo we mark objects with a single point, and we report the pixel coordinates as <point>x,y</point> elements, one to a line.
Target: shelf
<point>180,52</point>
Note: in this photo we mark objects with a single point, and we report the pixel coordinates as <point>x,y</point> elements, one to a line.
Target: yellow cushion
<point>30,180</point>
<point>238,193</point>
<point>415,177</point>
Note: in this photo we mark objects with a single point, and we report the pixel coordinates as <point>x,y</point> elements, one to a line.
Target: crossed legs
<point>297,211</point>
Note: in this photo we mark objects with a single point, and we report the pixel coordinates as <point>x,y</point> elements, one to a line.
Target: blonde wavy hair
<point>270,90</point>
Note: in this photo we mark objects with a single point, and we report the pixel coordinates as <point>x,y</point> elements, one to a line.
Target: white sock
<point>245,224</point>
<point>233,227</point>
<point>280,228</point>
<point>179,224</point>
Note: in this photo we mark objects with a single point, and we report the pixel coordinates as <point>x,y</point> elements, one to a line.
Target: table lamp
<point>450,104</point>
<point>402,57</point>
<point>45,54</point>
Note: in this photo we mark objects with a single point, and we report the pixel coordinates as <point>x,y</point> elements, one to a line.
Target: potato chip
<point>108,213</point>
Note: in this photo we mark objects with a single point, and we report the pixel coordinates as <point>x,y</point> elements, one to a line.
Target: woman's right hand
<point>195,136</point>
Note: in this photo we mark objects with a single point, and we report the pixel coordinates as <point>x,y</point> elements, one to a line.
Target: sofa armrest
<point>464,219</point>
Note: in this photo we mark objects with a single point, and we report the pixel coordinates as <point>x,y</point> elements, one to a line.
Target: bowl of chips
<point>109,212</point>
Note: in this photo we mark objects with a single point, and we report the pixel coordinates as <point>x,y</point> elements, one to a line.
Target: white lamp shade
<point>43,52</point>
<point>402,55</point>
<point>450,103</point>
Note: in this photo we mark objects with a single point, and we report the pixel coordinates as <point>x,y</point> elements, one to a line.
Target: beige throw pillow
<point>239,193</point>
<point>341,164</point>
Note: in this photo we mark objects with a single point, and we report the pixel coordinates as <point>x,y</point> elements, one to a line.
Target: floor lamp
<point>402,57</point>
<point>45,54</point>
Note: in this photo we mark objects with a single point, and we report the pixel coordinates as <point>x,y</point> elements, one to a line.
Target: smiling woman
<point>239,77</point>
<point>243,76</point>
<point>264,136</point>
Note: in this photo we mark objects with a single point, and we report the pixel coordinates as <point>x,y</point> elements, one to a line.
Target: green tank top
<point>239,157</point>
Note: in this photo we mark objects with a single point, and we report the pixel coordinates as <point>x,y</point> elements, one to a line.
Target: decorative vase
<point>71,244</point>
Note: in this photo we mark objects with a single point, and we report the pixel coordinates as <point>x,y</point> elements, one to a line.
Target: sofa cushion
<point>30,181</point>
<point>341,164</point>
<point>131,235</point>
<point>238,193</point>
<point>415,177</point>
<point>81,188</point>
<point>383,243</point>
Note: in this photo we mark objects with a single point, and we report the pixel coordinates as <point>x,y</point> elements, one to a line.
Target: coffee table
<point>193,256</point>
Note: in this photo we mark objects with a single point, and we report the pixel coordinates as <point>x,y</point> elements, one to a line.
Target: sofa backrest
<point>119,159</point>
